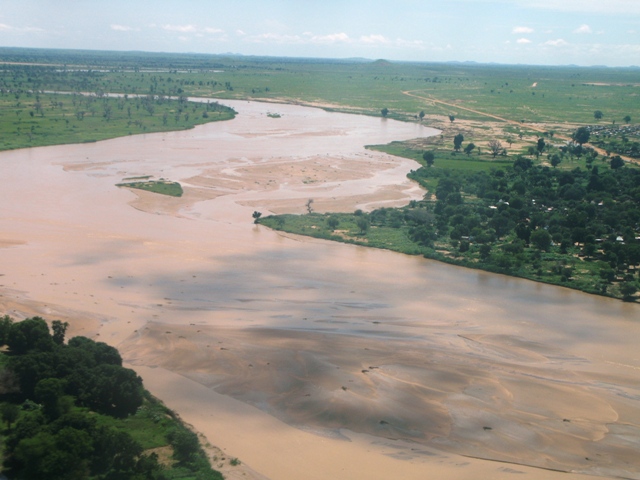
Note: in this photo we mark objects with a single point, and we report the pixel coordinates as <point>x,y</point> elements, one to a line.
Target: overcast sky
<point>552,32</point>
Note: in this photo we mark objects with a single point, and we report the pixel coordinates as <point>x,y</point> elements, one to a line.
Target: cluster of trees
<point>510,216</point>
<point>54,396</point>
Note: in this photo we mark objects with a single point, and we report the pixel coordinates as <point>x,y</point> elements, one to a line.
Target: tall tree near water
<point>428,158</point>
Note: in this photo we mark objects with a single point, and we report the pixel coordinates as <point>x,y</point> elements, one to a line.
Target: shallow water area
<point>296,354</point>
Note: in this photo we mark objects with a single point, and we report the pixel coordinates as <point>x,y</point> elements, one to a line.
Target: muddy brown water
<point>328,338</point>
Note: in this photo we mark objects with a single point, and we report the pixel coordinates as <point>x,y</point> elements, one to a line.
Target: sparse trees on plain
<point>457,142</point>
<point>495,147</point>
<point>469,148</point>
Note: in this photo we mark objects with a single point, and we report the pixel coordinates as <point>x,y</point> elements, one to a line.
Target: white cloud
<point>180,28</point>
<point>122,28</point>
<point>212,30</point>
<point>276,38</point>
<point>626,7</point>
<point>331,38</point>
<point>9,28</point>
<point>523,40</point>
<point>522,30</point>
<point>556,43</point>
<point>583,29</point>
<point>240,32</point>
<point>369,39</point>
<point>419,44</point>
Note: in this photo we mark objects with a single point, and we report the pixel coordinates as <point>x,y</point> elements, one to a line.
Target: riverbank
<point>34,119</point>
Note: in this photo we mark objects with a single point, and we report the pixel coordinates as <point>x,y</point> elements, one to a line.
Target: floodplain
<point>302,355</point>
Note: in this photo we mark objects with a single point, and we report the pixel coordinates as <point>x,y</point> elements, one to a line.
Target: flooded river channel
<point>306,358</point>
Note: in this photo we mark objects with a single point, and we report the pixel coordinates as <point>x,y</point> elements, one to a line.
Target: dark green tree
<point>185,444</point>
<point>457,142</point>
<point>10,413</point>
<point>429,158</point>
<point>617,162</point>
<point>5,327</point>
<point>32,333</point>
<point>384,111</point>
<point>484,251</point>
<point>628,290</point>
<point>581,135</point>
<point>541,239</point>
<point>363,224</point>
<point>469,148</point>
<point>597,115</point>
<point>59,330</point>
<point>99,352</point>
<point>48,393</point>
<point>113,390</point>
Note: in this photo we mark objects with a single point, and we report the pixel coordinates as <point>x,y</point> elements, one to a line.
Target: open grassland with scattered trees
<point>72,411</point>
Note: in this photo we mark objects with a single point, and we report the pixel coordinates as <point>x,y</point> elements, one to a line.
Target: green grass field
<point>30,119</point>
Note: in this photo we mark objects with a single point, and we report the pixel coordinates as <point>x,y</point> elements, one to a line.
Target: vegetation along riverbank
<point>71,410</point>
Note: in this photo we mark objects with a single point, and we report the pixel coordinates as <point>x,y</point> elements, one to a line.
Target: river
<point>299,355</point>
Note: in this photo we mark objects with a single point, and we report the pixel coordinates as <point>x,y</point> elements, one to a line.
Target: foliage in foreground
<point>71,411</point>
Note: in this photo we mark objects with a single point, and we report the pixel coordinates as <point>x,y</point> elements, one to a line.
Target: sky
<point>535,32</point>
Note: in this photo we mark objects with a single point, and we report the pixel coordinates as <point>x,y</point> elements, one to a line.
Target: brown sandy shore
<point>304,358</point>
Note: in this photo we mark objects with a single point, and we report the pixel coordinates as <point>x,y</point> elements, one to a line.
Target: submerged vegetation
<point>73,411</point>
<point>163,187</point>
